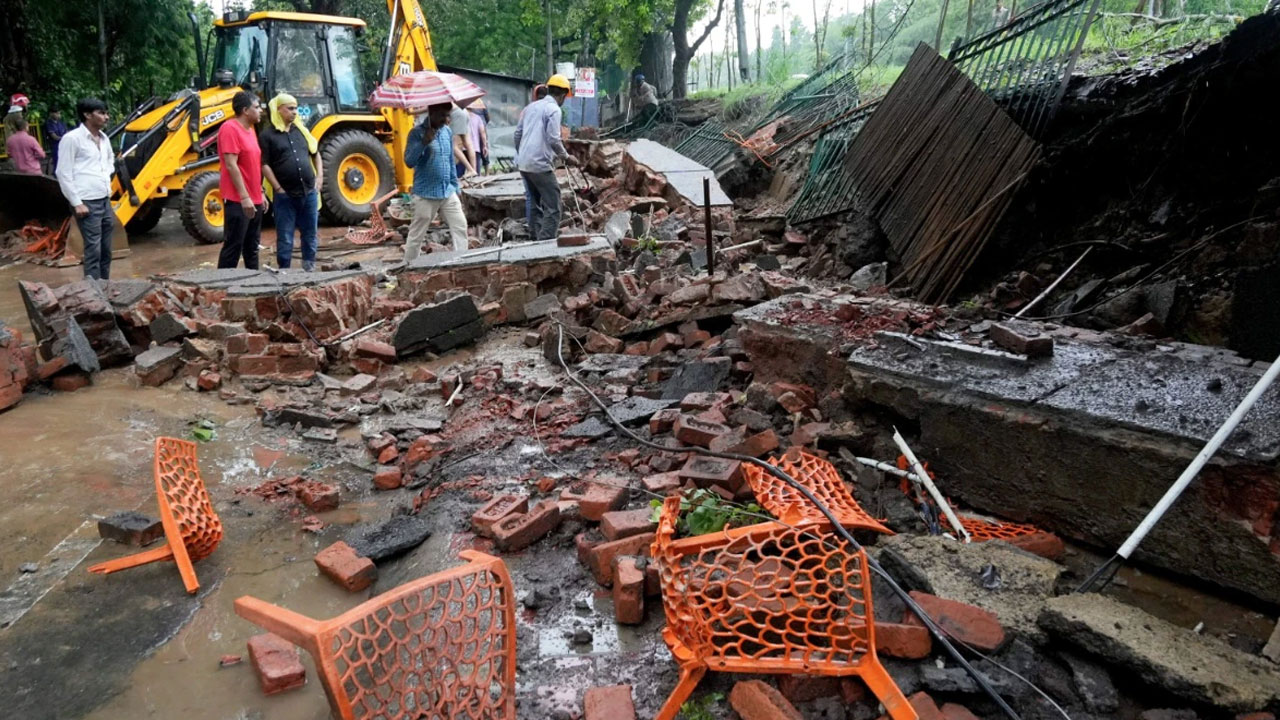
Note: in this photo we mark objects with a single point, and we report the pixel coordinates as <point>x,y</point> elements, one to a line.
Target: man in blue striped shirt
<point>429,151</point>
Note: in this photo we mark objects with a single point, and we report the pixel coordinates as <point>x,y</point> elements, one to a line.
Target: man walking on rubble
<point>85,164</point>
<point>538,145</point>
<point>429,151</point>
<point>643,99</point>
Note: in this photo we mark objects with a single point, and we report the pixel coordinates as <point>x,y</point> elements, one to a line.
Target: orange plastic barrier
<point>823,480</point>
<point>768,598</point>
<point>442,646</point>
<point>981,530</point>
<point>377,232</point>
<point>192,530</point>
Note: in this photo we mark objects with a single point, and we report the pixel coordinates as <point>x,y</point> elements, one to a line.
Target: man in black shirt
<point>288,154</point>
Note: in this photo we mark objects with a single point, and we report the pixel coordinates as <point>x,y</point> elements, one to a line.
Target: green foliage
<point>202,430</point>
<point>700,709</point>
<point>703,511</point>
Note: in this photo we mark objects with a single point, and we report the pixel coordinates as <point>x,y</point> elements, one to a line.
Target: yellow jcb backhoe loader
<point>168,149</point>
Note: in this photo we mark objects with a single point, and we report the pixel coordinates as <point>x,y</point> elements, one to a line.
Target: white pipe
<point>456,391</point>
<point>928,484</point>
<point>1215,442</point>
<point>1054,284</point>
<point>886,467</point>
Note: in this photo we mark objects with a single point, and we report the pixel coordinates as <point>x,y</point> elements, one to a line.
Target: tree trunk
<point>102,48</point>
<point>744,58</point>
<point>655,62</point>
<point>759,54</point>
<point>684,51</point>
<point>551,57</point>
<point>728,54</point>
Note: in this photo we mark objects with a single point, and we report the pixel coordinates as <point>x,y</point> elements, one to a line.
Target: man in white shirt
<point>85,165</point>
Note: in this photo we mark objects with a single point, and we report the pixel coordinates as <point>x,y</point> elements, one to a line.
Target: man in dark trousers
<point>291,163</point>
<point>85,165</point>
<point>241,186</point>
<point>538,145</point>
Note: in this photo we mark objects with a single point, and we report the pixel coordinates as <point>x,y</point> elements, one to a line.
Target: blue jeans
<point>96,229</point>
<point>296,212</point>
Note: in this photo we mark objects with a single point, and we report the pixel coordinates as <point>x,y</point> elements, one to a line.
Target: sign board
<point>584,86</point>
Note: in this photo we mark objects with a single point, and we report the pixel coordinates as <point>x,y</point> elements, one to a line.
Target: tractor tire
<point>201,207</point>
<point>147,217</point>
<point>357,171</point>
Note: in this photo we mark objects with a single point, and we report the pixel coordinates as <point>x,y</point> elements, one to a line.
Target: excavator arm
<point>408,50</point>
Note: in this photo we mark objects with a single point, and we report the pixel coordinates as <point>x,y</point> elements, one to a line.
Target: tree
<point>684,50</point>
<point>759,53</point>
<point>740,19</point>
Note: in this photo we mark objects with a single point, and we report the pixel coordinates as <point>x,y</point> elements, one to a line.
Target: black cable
<point>936,631</point>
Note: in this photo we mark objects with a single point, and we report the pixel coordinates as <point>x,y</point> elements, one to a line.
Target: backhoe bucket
<point>36,202</point>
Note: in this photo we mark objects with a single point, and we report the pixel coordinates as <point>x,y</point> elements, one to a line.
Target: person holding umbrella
<point>538,145</point>
<point>429,151</point>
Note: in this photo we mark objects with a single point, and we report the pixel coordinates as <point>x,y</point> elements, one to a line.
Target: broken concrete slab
<point>157,365</point>
<point>438,327</point>
<point>632,411</point>
<point>524,253</point>
<point>167,328</point>
<point>75,347</point>
<point>388,539</point>
<point>1197,668</point>
<point>696,377</point>
<point>953,570</point>
<point>684,175</point>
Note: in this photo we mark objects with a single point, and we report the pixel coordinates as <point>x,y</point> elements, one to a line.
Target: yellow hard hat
<point>558,81</point>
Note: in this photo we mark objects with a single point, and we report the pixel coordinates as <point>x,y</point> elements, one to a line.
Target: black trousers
<point>544,191</point>
<point>240,236</point>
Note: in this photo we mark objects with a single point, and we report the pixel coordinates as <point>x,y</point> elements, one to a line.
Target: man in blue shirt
<point>538,145</point>
<point>429,151</point>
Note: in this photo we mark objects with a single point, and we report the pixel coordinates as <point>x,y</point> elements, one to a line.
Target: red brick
<point>709,471</point>
<point>341,563</point>
<point>804,395</point>
<point>317,496</point>
<point>1033,345</point>
<point>664,342</point>
<point>803,688</point>
<point>255,364</point>
<point>637,348</point>
<point>595,499</point>
<point>422,375</point>
<point>662,421</point>
<point>600,557</point>
<point>694,431</point>
<point>10,395</point>
<point>704,401</point>
<point>1044,544</point>
<point>695,338</point>
<point>652,580</point>
<point>53,367</point>
<point>662,483</point>
<point>381,442</point>
<point>516,532</point>
<point>368,366</point>
<point>853,690</point>
<point>925,707</point>
<point>584,542</point>
<point>598,342</point>
<point>901,640</point>
<point>420,451</point>
<point>247,344</point>
<point>625,523</point>
<point>756,700</point>
<point>628,590</point>
<point>608,703</point>
<point>758,445</point>
<point>483,520</point>
<point>209,380</point>
<point>70,382</point>
<point>952,711</point>
<point>808,433</point>
<point>388,477</point>
<point>277,664</point>
<point>971,625</point>
<point>388,455</point>
<point>370,348</point>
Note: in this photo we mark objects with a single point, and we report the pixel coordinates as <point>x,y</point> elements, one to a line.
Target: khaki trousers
<point>424,211</point>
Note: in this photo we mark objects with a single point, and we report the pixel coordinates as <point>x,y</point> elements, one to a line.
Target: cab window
<point>346,67</point>
<point>299,68</point>
<point>240,50</point>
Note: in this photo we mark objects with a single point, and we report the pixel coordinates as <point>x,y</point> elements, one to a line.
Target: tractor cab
<point>311,57</point>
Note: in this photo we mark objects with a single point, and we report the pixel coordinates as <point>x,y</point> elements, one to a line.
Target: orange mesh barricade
<point>768,598</point>
<point>437,648</point>
<point>783,502</point>
<point>981,530</point>
<point>191,528</point>
<point>377,231</point>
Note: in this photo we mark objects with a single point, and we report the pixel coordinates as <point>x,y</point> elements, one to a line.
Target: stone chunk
<point>757,700</point>
<point>131,528</point>
<point>342,565</point>
<point>608,703</point>
<point>277,664</point>
<point>168,327</point>
<point>1271,650</point>
<point>541,306</point>
<point>379,542</point>
<point>1197,668</point>
<point>157,365</point>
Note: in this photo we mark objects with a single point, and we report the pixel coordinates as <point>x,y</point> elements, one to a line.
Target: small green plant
<point>202,430</point>
<point>703,511</point>
<point>700,709</point>
<point>648,243</point>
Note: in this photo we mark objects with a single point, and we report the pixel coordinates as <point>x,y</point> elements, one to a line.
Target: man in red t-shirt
<point>242,202</point>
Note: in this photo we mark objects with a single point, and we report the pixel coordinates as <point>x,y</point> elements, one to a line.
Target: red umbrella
<point>417,91</point>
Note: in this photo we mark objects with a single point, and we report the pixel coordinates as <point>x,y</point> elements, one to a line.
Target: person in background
<point>538,145</point>
<point>17,111</point>
<point>85,164</point>
<point>478,131</point>
<point>291,163</point>
<point>54,129</point>
<point>463,151</point>
<point>429,150</point>
<point>539,92</point>
<point>999,15</point>
<point>643,98</point>
<point>241,185</point>
<point>24,150</point>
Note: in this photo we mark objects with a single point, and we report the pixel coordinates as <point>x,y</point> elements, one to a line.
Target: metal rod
<point>932,488</point>
<point>706,210</point>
